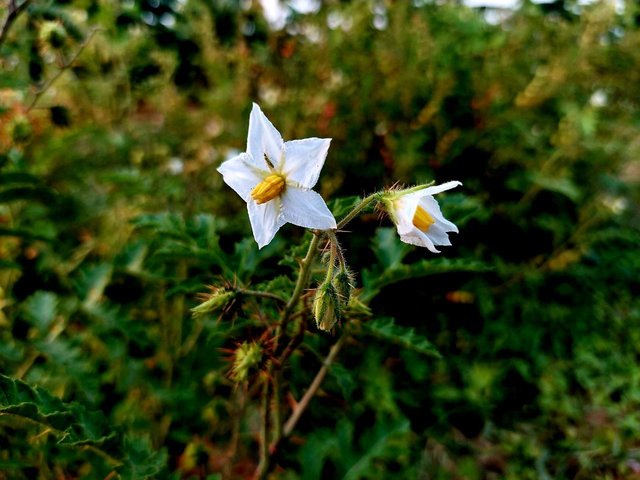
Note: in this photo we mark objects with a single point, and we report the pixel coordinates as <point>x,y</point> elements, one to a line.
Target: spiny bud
<point>326,307</point>
<point>343,282</point>
<point>245,358</point>
<point>216,300</point>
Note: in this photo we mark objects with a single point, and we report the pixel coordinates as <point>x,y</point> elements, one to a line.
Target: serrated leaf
<point>388,248</point>
<point>373,281</point>
<point>387,329</point>
<point>71,421</point>
<point>141,461</point>
<point>381,436</point>
<point>345,379</point>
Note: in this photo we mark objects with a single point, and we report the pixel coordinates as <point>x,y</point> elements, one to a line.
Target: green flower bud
<point>343,283</point>
<point>326,307</point>
<point>216,300</point>
<point>247,357</point>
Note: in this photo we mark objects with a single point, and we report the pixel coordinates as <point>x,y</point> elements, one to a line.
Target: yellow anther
<point>422,220</point>
<point>268,189</point>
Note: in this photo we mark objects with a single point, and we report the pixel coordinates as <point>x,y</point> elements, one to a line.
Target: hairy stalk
<point>358,208</point>
<point>303,280</point>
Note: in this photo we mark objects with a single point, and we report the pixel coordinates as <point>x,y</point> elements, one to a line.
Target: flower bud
<point>216,300</point>
<point>343,283</point>
<point>326,307</point>
<point>246,357</point>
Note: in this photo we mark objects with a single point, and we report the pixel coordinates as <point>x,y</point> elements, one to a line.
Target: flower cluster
<point>275,178</point>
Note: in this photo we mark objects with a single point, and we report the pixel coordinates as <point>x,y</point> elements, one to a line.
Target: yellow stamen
<point>268,189</point>
<point>422,220</point>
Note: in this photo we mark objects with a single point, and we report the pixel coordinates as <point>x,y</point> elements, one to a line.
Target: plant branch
<point>62,69</point>
<point>13,11</point>
<point>312,390</point>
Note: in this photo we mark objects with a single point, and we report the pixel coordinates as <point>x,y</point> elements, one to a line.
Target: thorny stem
<point>274,370</point>
<point>333,248</point>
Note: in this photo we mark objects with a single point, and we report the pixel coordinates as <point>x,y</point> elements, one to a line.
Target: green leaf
<point>76,426</point>
<point>345,379</point>
<point>40,310</point>
<point>24,233</point>
<point>379,444</point>
<point>561,185</point>
<point>386,329</point>
<point>92,281</point>
<point>388,248</point>
<point>141,461</point>
<point>13,194</point>
<point>71,421</point>
<point>373,281</point>
<point>18,177</point>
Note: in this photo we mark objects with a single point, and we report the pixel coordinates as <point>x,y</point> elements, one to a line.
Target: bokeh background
<point>113,119</point>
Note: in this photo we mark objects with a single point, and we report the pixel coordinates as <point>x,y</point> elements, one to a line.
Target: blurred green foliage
<point>113,119</point>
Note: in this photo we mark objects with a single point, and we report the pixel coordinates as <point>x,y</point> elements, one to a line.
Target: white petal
<point>266,219</point>
<point>430,204</point>
<point>306,208</point>
<point>304,160</point>
<point>437,235</point>
<point>419,239</point>
<point>405,209</point>
<point>440,188</point>
<point>241,174</point>
<point>263,139</point>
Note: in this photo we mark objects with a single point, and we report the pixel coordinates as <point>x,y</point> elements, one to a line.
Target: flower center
<point>422,219</point>
<point>268,189</point>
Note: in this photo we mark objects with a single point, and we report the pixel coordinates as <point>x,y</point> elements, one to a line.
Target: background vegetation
<point>113,119</point>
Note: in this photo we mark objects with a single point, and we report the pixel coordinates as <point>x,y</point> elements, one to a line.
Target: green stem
<point>356,211</point>
<point>333,251</point>
<point>303,280</point>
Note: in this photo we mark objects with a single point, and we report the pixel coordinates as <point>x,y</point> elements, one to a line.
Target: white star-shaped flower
<point>275,178</point>
<point>418,218</point>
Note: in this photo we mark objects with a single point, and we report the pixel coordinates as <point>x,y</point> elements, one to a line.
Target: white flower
<point>418,218</point>
<point>275,178</point>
